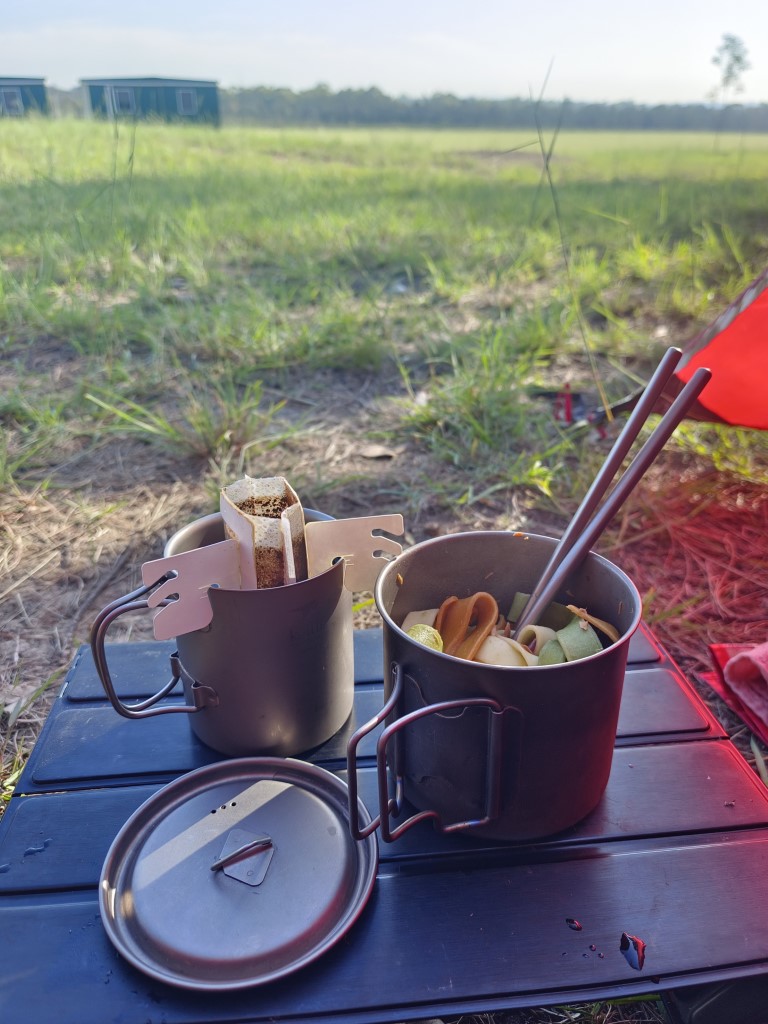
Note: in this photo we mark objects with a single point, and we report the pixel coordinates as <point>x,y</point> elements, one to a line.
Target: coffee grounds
<point>272,508</point>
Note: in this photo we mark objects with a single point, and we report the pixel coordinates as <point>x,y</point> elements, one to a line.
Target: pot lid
<point>236,874</point>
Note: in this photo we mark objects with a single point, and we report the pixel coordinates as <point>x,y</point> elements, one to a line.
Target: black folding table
<point>675,854</point>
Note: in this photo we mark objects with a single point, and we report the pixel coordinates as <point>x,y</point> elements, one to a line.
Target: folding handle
<point>135,601</point>
<point>493,768</point>
<point>393,805</point>
<point>390,806</point>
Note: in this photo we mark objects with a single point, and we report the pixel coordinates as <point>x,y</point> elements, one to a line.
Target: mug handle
<point>135,601</point>
<point>393,805</point>
<point>493,768</point>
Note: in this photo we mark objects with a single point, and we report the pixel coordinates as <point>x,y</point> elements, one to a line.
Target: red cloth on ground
<point>741,680</point>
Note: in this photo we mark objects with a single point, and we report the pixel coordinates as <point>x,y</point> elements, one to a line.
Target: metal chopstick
<point>579,546</point>
<point>605,475</point>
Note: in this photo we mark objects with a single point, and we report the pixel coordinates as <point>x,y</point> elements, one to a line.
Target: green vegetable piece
<point>519,601</point>
<point>577,641</point>
<point>552,653</point>
<point>555,615</point>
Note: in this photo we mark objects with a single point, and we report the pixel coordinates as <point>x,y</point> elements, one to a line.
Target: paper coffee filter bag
<point>265,517</point>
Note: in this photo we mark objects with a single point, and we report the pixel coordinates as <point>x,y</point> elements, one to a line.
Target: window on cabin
<point>123,100</point>
<point>186,102</point>
<point>10,102</point>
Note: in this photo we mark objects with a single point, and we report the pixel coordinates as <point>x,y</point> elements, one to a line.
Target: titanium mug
<point>272,674</point>
<point>500,752</point>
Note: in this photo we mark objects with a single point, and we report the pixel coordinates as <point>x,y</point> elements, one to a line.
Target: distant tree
<point>731,58</point>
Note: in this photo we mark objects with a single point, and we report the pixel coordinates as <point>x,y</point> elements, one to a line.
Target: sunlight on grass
<point>210,422</point>
<point>159,252</point>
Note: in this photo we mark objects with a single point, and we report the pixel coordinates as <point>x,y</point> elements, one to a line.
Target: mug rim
<point>215,517</point>
<point>592,556</point>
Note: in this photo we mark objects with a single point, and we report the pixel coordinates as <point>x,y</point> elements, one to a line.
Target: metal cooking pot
<point>505,753</point>
<point>273,672</point>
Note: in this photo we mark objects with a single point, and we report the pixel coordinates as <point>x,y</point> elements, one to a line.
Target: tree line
<point>371,107</point>
<point>322,106</point>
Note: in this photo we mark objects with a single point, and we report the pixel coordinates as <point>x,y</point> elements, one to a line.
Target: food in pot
<point>498,649</point>
<point>472,628</point>
<point>421,618</point>
<point>464,624</point>
<point>426,635</point>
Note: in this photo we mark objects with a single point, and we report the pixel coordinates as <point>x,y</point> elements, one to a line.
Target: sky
<point>654,51</point>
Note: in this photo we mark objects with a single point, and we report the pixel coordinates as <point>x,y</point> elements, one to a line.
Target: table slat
<point>60,841</point>
<point>85,742</point>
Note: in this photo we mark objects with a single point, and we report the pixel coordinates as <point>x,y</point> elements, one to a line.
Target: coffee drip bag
<point>265,517</point>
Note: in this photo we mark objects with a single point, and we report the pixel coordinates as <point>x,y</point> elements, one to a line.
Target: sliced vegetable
<point>426,635</point>
<point>519,601</point>
<point>555,616</point>
<point>552,654</point>
<point>422,618</point>
<point>471,628</point>
<point>502,650</point>
<point>578,639</point>
<point>465,623</point>
<point>536,637</point>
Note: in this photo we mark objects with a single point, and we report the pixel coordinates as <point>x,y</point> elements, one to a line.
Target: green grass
<point>206,258</point>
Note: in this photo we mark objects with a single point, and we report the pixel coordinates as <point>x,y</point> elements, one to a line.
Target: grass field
<point>161,254</point>
<point>371,313</point>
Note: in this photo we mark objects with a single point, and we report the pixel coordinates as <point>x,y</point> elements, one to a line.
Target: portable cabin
<point>20,96</point>
<point>168,99</point>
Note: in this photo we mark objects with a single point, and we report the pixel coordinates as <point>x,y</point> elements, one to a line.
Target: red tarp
<point>735,348</point>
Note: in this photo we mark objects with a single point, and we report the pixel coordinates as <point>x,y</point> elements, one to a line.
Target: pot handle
<point>134,601</point>
<point>393,804</point>
<point>493,768</point>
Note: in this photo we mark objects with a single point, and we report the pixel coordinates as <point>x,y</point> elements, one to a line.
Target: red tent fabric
<point>735,348</point>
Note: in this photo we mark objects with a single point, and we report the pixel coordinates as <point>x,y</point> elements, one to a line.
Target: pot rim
<point>592,556</point>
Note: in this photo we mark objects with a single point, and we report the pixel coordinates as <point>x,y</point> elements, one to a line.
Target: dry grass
<point>62,552</point>
<point>694,542</point>
<point>638,1012</point>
